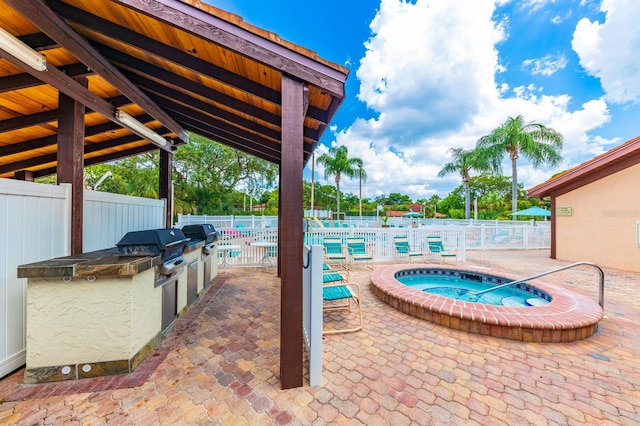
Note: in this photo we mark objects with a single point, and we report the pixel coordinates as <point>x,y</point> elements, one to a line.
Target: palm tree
<point>534,141</point>
<point>464,162</point>
<point>338,163</point>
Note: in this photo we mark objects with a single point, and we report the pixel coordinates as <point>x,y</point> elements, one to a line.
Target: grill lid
<point>169,243</point>
<point>201,231</point>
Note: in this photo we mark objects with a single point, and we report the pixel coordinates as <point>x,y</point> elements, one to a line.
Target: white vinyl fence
<point>463,234</point>
<point>107,217</point>
<point>35,220</point>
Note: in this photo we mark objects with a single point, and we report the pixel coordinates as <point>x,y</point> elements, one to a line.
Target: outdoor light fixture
<point>140,128</point>
<point>21,51</point>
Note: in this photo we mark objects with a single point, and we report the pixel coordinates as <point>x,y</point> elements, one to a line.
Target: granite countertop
<point>106,262</point>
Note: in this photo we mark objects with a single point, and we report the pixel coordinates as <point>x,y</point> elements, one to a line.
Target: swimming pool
<point>469,286</point>
<point>567,317</point>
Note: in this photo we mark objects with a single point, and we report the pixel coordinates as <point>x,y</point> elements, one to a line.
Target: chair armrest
<point>342,272</point>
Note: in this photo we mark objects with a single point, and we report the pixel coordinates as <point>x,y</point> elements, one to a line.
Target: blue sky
<point>429,75</point>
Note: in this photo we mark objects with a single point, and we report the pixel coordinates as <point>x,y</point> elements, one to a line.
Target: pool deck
<point>220,365</point>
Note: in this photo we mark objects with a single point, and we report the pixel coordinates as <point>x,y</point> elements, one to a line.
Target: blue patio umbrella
<point>412,214</point>
<point>532,211</point>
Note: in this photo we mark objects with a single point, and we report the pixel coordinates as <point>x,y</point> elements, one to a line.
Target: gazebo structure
<point>84,82</point>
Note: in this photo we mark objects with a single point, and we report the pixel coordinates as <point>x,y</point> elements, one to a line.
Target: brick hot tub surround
<point>567,318</point>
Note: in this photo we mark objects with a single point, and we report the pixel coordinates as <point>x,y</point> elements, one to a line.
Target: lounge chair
<point>358,251</point>
<point>334,253</point>
<point>437,248</point>
<point>342,296</point>
<point>403,249</point>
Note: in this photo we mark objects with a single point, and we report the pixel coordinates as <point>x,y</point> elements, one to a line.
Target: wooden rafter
<point>52,25</point>
<point>237,39</point>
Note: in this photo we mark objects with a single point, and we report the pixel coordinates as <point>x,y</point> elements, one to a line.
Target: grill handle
<point>173,243</point>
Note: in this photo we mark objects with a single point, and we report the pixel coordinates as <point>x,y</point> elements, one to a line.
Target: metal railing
<point>542,274</point>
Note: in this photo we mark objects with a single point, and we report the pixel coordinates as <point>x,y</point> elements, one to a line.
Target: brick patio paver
<point>220,365</point>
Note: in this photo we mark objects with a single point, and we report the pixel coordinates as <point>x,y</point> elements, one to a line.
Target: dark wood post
<point>166,185</point>
<point>26,175</point>
<point>554,229</point>
<point>290,213</point>
<point>70,159</point>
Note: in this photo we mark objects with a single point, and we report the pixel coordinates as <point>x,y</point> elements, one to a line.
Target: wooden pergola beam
<point>88,149</point>
<point>56,28</point>
<point>101,159</point>
<point>52,115</point>
<point>26,80</point>
<point>195,21</point>
<point>155,48</point>
<point>51,140</point>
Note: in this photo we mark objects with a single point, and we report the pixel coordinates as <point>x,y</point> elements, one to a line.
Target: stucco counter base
<point>94,314</point>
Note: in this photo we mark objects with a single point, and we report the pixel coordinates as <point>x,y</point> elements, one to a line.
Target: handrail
<point>600,271</point>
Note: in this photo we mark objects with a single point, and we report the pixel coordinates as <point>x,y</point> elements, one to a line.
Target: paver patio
<point>220,365</point>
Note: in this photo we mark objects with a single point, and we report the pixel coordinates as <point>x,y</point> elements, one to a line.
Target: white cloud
<point>429,74</point>
<point>609,50</point>
<point>547,65</point>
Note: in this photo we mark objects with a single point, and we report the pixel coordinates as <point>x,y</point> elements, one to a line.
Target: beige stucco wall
<point>602,228</point>
<point>84,322</point>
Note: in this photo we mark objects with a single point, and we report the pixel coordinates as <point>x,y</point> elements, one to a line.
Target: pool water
<point>457,287</point>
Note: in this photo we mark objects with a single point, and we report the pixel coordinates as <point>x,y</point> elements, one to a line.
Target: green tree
<point>338,163</point>
<point>433,201</point>
<point>452,205</point>
<point>534,141</point>
<point>464,162</point>
<point>396,199</point>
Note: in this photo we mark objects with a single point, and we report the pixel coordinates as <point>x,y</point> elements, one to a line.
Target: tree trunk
<point>467,200</point>
<point>514,187</point>
<point>360,196</point>
<point>338,196</point>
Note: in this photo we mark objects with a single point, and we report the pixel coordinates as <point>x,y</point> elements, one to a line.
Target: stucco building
<point>596,209</point>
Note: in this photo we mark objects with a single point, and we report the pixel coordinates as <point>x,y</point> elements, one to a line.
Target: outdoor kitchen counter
<point>97,313</point>
<point>101,263</point>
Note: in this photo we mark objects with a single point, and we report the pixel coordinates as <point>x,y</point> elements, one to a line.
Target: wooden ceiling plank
<point>48,116</point>
<point>119,155</point>
<point>198,105</point>
<point>29,162</point>
<point>155,48</point>
<point>52,25</point>
<point>67,85</point>
<point>187,115</point>
<point>241,41</point>
<point>101,159</point>
<point>88,149</point>
<point>215,126</point>
<point>231,142</point>
<point>32,144</point>
<point>145,69</point>
<point>25,80</point>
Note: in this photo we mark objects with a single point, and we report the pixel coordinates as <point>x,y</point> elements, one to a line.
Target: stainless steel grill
<point>202,231</point>
<point>168,243</point>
